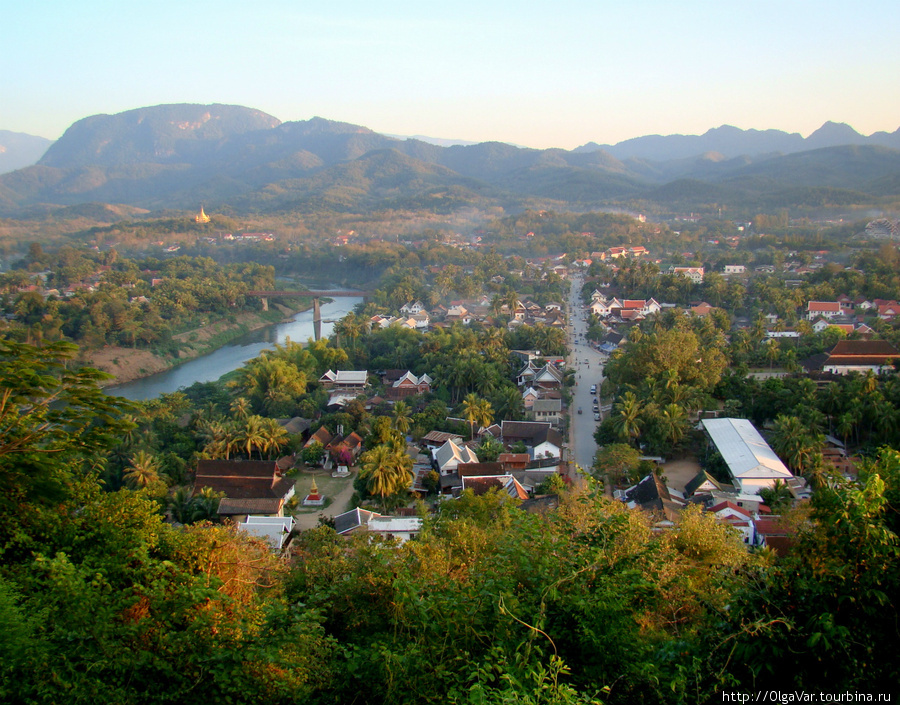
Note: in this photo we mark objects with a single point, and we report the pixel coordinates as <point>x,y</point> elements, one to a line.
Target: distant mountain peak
<point>157,134</point>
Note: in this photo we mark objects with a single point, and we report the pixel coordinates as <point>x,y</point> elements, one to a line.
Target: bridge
<point>315,294</point>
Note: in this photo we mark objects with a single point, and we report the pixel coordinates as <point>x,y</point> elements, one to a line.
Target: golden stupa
<point>202,218</point>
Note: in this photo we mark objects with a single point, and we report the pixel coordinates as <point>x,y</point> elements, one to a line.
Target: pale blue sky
<point>549,74</point>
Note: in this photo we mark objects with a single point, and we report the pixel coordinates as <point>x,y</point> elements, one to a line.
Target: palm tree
<point>778,497</point>
<point>275,437</point>
<point>402,419</point>
<point>182,506</point>
<point>386,470</point>
<point>206,505</point>
<point>477,410</point>
<point>251,436</point>
<point>673,422</point>
<point>792,441</point>
<point>627,418</point>
<point>240,408</point>
<point>508,404</point>
<point>143,471</point>
<point>773,349</point>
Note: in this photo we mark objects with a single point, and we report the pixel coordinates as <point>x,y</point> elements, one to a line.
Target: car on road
<point>596,417</point>
<point>579,409</point>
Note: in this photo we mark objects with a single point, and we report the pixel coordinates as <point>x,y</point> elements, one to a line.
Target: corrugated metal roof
<point>744,450</point>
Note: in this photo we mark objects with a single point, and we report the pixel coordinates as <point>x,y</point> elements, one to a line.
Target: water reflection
<point>212,366</point>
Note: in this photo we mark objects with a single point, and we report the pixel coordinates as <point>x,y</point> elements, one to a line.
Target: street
<point>588,367</point>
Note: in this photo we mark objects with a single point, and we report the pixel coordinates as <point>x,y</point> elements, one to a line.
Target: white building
<point>751,462</point>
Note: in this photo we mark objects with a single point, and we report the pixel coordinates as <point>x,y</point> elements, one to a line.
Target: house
<point>695,274</point>
<point>826,309</point>
<point>435,439</point>
<point>774,532</point>
<point>646,307</point>
<point>502,483</point>
<point>411,309</point>
<point>408,385</point>
<point>547,410</point>
<point>401,528</point>
<point>753,465</point>
<point>861,356</point>
<point>652,496</point>
<point>513,461</point>
<point>821,324</point>
<point>422,321</point>
<point>345,448</point>
<point>322,436</point>
<point>888,311</point>
<point>352,521</point>
<point>735,269</point>
<point>275,530</point>
<point>345,380</point>
<point>547,377</point>
<point>539,438</point>
<point>737,518</point>
<point>701,483</point>
<point>702,309</point>
<point>249,486</point>
<point>529,397</point>
<point>447,458</point>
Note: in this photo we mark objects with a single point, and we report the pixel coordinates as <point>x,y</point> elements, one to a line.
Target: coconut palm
<point>275,437</point>
<point>402,419</point>
<point>251,436</point>
<point>240,408</point>
<point>386,471</point>
<point>673,424</point>
<point>792,441</point>
<point>778,497</point>
<point>182,506</point>
<point>477,410</point>
<point>627,418</point>
<point>206,505</point>
<point>143,471</point>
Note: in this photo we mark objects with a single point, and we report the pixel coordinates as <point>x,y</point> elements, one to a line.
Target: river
<point>212,366</point>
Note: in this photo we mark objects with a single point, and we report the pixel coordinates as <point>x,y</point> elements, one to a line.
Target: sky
<point>548,74</point>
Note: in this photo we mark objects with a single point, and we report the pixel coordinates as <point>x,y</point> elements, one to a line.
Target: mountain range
<point>18,150</point>
<point>241,159</point>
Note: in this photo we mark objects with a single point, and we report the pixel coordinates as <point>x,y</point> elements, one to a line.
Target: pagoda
<point>202,218</point>
<point>314,499</point>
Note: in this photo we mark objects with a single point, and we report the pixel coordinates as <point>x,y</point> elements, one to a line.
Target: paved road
<point>588,367</point>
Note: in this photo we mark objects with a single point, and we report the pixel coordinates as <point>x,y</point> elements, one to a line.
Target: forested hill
<point>176,156</point>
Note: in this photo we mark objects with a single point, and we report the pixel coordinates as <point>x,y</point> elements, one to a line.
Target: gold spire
<point>202,218</point>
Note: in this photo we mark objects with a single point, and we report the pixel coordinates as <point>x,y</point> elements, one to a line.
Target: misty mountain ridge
<point>733,142</point>
<point>18,150</point>
<point>175,156</point>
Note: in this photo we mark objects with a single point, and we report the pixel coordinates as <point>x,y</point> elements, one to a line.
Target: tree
<point>401,417</point>
<point>143,472</point>
<point>794,442</point>
<point>313,453</point>
<point>619,460</point>
<point>386,471</point>
<point>56,425</point>
<point>627,417</point>
<point>477,410</point>
<point>778,497</point>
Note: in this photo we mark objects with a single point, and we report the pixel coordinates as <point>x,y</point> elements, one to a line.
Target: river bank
<point>130,364</point>
<point>232,355</point>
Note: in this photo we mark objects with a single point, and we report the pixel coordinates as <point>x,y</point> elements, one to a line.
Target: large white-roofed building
<point>751,461</point>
